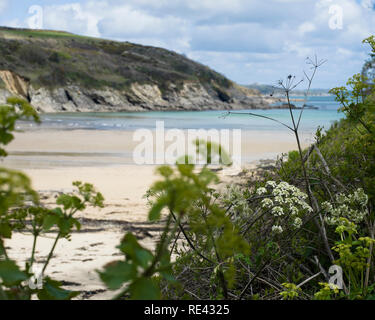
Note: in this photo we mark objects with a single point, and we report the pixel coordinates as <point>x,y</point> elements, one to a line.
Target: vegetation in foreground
<point>276,238</point>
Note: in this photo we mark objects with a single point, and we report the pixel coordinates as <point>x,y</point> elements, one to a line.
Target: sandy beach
<point>54,159</point>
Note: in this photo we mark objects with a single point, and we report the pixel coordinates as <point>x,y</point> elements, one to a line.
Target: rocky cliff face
<point>59,72</point>
<point>140,97</point>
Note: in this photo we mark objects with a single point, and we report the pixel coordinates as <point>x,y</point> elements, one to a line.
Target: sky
<point>249,41</point>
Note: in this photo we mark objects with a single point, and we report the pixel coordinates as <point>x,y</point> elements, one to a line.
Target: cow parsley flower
<point>267,203</point>
<point>277,211</point>
<point>261,191</point>
<point>297,223</point>
<point>287,205</point>
<point>352,207</point>
<point>277,229</point>
<point>293,211</point>
<point>279,199</point>
<point>271,184</point>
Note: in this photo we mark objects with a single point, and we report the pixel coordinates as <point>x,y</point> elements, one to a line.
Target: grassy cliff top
<point>54,58</point>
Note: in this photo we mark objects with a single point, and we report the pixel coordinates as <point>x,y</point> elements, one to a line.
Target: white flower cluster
<point>234,196</point>
<point>277,211</point>
<point>297,223</point>
<point>283,199</point>
<point>352,207</point>
<point>261,191</point>
<point>277,229</point>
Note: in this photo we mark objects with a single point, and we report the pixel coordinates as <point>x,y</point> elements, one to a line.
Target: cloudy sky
<point>246,40</point>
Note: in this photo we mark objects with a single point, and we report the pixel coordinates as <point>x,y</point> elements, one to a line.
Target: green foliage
<point>17,109</point>
<point>342,176</point>
<point>314,210</point>
<point>10,273</point>
<point>53,59</point>
<point>15,215</point>
<point>186,197</point>
<point>52,291</point>
<point>294,235</point>
<point>38,221</point>
<point>353,98</point>
<point>371,41</point>
<point>136,271</point>
<point>291,291</point>
<point>189,198</point>
<point>327,292</point>
<point>354,257</point>
<point>59,56</point>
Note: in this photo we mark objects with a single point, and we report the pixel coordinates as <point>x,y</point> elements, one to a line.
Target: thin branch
<point>315,65</point>
<point>189,240</point>
<point>261,116</point>
<point>326,167</point>
<point>309,279</point>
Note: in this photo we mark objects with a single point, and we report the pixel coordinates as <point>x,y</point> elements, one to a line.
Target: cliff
<point>58,71</point>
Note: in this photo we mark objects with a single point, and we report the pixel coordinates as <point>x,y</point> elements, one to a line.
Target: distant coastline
<point>266,89</point>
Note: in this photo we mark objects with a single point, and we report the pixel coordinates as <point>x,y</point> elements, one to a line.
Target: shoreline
<point>56,148</point>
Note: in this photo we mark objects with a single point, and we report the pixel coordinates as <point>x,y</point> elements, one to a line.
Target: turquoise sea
<point>129,121</point>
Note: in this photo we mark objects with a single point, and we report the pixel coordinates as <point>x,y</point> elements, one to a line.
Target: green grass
<point>42,33</point>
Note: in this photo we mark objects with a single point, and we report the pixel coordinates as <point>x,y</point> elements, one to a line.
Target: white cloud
<point>126,21</point>
<point>74,17</point>
<point>306,27</point>
<point>246,40</point>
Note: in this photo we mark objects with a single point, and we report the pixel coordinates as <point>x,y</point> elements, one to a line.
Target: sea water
<point>325,114</point>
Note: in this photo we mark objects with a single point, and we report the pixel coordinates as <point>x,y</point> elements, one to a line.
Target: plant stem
<point>189,240</point>
<point>33,249</point>
<point>313,203</point>
<point>2,247</point>
<point>220,270</point>
<point>51,252</point>
<point>367,278</point>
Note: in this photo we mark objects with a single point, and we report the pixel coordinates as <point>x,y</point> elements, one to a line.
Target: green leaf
<point>65,226</point>
<point>155,211</point>
<point>144,289</point>
<point>49,221</point>
<point>117,273</point>
<point>58,212</point>
<point>11,274</point>
<point>76,223</point>
<point>134,251</point>
<point>5,230</point>
<point>128,244</point>
<point>52,291</point>
<point>69,202</point>
<point>143,257</point>
<point>168,276</point>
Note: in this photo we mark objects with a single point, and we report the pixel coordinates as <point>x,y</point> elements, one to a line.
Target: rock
<point>140,97</point>
<point>286,106</point>
<point>310,107</point>
<point>14,83</point>
<point>69,73</point>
